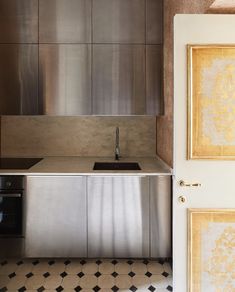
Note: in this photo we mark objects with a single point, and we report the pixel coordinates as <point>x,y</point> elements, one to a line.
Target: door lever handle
<point>185,184</point>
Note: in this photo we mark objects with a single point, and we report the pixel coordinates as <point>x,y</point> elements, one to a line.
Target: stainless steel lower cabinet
<point>160,216</point>
<point>118,216</point>
<point>56,217</point>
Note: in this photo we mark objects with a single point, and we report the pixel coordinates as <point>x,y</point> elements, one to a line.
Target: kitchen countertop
<point>84,166</point>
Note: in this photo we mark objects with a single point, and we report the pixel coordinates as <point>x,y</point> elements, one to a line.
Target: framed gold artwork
<point>211,102</point>
<point>211,250</point>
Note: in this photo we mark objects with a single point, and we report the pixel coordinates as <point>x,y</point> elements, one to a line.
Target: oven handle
<point>11,195</point>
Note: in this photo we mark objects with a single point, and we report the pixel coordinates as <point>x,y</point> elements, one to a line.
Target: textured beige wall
<point>77,136</point>
<point>223,6</point>
<point>165,124</point>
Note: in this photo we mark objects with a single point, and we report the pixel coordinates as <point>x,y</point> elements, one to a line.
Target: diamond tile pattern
<point>85,275</point>
<point>114,274</point>
<point>165,274</point>
<point>98,274</point>
<point>46,275</point>
<point>64,274</point>
<point>81,274</point>
<point>29,275</point>
<point>67,262</point>
<point>12,275</point>
<point>131,274</point>
<point>114,288</point>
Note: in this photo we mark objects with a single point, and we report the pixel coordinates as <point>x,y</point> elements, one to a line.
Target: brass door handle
<point>184,184</point>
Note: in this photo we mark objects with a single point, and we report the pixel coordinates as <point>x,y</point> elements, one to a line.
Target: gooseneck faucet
<point>117,147</point>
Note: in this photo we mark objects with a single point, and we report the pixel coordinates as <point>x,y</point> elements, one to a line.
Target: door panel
<point>118,79</point>
<point>56,217</point>
<point>118,217</point>
<point>19,79</point>
<point>216,177</point>
<point>120,21</point>
<point>154,79</point>
<point>63,21</point>
<point>160,216</point>
<point>154,21</point>
<point>65,79</point>
<point>19,21</point>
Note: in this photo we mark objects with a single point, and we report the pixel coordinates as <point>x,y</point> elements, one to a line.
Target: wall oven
<point>11,206</point>
<point>11,216</point>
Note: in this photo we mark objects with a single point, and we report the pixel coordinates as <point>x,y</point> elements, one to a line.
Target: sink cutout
<point>116,166</point>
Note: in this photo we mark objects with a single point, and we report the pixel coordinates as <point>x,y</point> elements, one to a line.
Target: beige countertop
<point>84,166</point>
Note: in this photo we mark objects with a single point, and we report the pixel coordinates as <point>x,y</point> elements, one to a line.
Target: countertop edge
<point>121,173</point>
<point>83,166</point>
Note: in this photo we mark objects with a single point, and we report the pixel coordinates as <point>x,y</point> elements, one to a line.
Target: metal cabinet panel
<point>56,222</point>
<point>18,21</point>
<point>118,79</point>
<point>160,216</point>
<point>118,217</point>
<point>18,79</point>
<point>63,21</point>
<point>121,21</point>
<point>154,80</point>
<point>65,79</point>
<point>154,21</point>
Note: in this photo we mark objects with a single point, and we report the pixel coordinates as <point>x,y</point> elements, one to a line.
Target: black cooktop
<point>18,163</point>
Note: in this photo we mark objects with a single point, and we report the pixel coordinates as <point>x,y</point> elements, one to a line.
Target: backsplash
<point>25,136</point>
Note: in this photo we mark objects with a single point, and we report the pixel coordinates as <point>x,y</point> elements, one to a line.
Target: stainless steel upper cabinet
<point>18,21</point>
<point>63,21</point>
<point>154,21</point>
<point>119,21</point>
<point>118,217</point>
<point>118,79</point>
<point>19,79</point>
<point>65,79</point>
<point>154,80</point>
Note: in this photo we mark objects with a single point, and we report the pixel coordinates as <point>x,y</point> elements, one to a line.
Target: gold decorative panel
<point>211,245</point>
<point>211,102</point>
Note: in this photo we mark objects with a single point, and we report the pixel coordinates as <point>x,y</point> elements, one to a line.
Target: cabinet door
<point>64,79</point>
<point>18,21</point>
<point>118,216</point>
<point>160,216</point>
<point>19,79</point>
<point>56,217</point>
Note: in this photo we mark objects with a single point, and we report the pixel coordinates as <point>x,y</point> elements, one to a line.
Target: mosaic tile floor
<point>85,275</point>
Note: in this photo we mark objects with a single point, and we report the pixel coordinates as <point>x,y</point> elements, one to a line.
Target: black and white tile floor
<point>84,275</point>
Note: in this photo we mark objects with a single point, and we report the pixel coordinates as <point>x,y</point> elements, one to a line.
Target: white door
<point>217,178</point>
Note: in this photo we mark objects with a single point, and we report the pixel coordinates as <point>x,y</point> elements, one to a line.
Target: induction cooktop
<point>18,163</point>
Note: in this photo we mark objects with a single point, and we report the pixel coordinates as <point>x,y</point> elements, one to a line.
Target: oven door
<point>10,214</point>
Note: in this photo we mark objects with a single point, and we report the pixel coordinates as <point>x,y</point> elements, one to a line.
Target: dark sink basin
<point>116,166</point>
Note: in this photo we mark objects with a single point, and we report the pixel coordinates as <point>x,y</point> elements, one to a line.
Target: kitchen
<point>82,84</point>
<point>75,92</point>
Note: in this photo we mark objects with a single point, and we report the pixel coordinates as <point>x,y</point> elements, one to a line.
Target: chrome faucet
<point>117,147</point>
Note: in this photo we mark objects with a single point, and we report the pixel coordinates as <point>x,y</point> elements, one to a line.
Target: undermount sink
<point>116,166</point>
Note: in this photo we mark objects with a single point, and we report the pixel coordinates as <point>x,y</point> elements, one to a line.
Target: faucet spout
<point>117,146</point>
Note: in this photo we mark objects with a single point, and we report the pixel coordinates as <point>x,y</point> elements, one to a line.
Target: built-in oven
<point>11,213</point>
